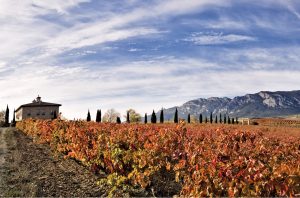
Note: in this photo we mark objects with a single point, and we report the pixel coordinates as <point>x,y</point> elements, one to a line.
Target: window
<point>38,114</point>
<point>43,113</point>
<point>28,114</point>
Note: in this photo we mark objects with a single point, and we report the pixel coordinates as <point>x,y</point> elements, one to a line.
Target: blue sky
<point>92,54</point>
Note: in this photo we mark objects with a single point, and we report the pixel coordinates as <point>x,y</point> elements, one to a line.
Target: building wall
<point>19,114</point>
<point>45,112</point>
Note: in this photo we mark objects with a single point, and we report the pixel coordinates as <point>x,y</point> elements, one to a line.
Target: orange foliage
<point>207,160</point>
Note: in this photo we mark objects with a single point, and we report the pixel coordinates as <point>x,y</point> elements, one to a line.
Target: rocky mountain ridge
<point>261,104</point>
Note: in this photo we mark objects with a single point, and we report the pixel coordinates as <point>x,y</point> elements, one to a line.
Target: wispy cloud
<point>144,54</point>
<point>142,85</point>
<point>291,6</point>
<point>213,38</point>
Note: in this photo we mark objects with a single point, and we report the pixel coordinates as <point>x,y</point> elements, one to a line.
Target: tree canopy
<point>132,116</point>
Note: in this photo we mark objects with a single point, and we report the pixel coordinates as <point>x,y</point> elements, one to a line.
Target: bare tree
<point>111,116</point>
<point>2,115</point>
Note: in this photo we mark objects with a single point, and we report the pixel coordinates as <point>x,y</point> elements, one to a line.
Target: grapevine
<point>188,160</point>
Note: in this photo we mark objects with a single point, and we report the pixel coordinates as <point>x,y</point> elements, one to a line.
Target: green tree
<point>54,115</point>
<point>189,118</point>
<point>13,123</point>
<point>224,119</point>
<point>229,122</point>
<point>153,117</point>
<point>211,118</point>
<point>232,121</point>
<point>127,117</point>
<point>132,116</point>
<point>145,118</point>
<point>236,120</point>
<point>206,120</point>
<point>176,116</point>
<point>88,118</point>
<point>220,118</point>
<point>216,120</point>
<point>200,118</point>
<point>6,122</point>
<point>98,116</point>
<point>161,118</point>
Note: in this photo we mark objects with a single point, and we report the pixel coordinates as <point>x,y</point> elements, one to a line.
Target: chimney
<point>38,99</point>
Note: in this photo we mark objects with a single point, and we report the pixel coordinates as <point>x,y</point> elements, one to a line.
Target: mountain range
<point>262,104</point>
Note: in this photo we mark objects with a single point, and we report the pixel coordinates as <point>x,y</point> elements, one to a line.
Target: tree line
<point>132,116</point>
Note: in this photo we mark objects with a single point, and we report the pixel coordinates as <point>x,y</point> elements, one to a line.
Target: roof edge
<point>46,105</point>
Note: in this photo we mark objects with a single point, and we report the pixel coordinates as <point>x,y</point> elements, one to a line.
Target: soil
<point>28,169</point>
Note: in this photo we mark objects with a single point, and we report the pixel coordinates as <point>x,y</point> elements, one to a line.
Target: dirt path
<point>29,169</point>
<point>3,152</point>
<point>3,146</point>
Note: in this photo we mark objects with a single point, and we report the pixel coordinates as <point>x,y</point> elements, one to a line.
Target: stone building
<point>37,110</point>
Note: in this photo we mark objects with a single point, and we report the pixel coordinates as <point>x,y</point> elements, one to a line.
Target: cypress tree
<point>216,120</point>
<point>127,117</point>
<point>145,118</point>
<point>232,121</point>
<point>118,120</point>
<point>14,116</point>
<point>220,120</point>
<point>176,116</point>
<point>153,117</point>
<point>14,119</point>
<point>98,116</point>
<point>211,118</point>
<point>88,118</point>
<point>236,120</point>
<point>189,118</point>
<point>54,115</point>
<point>161,116</point>
<point>206,119</point>
<point>200,118</point>
<point>229,122</point>
<point>224,119</point>
<point>7,116</point>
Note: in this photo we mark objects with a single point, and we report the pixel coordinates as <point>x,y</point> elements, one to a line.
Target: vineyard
<point>178,159</point>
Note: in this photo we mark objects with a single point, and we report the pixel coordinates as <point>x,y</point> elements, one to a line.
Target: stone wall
<point>19,114</point>
<point>43,112</point>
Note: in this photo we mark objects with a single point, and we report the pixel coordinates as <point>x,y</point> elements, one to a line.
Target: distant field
<point>287,122</point>
<point>297,116</point>
<point>280,131</point>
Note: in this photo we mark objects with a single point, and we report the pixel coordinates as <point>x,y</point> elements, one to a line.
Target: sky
<point>145,55</point>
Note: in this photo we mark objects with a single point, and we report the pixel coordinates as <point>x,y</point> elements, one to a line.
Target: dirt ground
<point>28,169</point>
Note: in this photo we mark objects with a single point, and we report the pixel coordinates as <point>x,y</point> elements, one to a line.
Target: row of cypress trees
<point>225,119</point>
